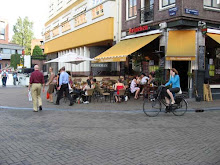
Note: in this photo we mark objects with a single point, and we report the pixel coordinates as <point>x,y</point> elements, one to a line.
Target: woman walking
<point>51,85</point>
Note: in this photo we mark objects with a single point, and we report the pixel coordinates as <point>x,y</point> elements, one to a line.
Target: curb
<point>109,111</point>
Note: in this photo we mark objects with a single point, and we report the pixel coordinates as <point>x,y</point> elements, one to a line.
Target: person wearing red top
<point>36,82</point>
<point>118,86</point>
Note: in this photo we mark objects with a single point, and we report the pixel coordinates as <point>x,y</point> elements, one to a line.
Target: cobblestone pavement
<point>91,138</point>
<point>79,135</point>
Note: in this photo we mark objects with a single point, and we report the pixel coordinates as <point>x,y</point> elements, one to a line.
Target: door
<point>182,68</point>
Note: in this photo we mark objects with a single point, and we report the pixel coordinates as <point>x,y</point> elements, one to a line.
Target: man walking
<point>63,86</point>
<point>36,82</point>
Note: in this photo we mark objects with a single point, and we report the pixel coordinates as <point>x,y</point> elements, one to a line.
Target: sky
<point>35,10</point>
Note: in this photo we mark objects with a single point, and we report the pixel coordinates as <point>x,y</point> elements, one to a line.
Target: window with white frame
<point>166,3</point>
<point>212,3</point>
<point>96,2</point>
<point>132,8</point>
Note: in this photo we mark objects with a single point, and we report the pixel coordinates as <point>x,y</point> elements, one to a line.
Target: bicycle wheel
<point>181,108</point>
<point>152,108</point>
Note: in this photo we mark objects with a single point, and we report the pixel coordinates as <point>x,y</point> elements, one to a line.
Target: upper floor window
<point>2,30</point>
<point>96,2</point>
<point>166,3</point>
<point>132,8</point>
<point>212,3</point>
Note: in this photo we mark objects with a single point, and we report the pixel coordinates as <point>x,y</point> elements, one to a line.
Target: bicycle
<point>157,101</point>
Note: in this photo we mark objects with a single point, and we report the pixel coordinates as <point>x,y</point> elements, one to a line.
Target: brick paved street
<point>59,136</point>
<point>90,138</point>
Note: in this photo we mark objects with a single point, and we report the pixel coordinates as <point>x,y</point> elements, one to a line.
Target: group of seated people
<point>134,86</point>
<point>138,82</point>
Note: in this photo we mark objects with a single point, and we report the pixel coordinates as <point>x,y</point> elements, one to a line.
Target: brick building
<point>6,48</point>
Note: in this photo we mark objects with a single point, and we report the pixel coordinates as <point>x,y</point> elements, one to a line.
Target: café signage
<point>99,65</point>
<point>139,29</point>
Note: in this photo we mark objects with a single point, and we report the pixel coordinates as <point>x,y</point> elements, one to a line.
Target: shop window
<point>212,4</point>
<point>19,51</point>
<point>13,51</point>
<point>6,51</point>
<point>131,8</point>
<point>167,3</point>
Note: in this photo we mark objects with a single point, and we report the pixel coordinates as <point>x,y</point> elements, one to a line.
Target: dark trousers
<point>4,80</point>
<point>14,80</point>
<point>64,88</point>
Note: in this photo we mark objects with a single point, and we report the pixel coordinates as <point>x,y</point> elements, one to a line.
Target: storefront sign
<point>139,29</point>
<point>172,11</point>
<point>99,65</point>
<point>191,11</point>
<point>180,58</point>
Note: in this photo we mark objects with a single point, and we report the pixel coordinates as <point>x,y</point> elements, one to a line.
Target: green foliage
<point>159,76</point>
<point>15,60</point>
<point>23,33</point>
<point>37,51</point>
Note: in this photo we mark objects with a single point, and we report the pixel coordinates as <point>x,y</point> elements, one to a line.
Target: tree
<point>37,51</point>
<point>15,60</point>
<point>23,33</point>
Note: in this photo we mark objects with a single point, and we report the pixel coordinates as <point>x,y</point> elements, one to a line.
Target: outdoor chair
<point>121,94</point>
<point>102,94</point>
<point>89,94</point>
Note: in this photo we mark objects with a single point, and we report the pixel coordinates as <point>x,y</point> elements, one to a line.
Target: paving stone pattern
<point>91,138</point>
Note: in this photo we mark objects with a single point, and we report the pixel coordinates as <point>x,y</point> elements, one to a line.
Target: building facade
<point>6,48</point>
<point>171,33</point>
<point>85,27</point>
<point>38,42</point>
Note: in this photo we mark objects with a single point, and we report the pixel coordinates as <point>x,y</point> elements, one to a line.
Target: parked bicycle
<point>158,100</point>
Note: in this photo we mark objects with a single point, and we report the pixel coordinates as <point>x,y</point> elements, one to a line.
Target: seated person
<point>175,81</point>
<point>151,78</point>
<point>124,81</point>
<point>144,79</point>
<point>134,88</point>
<point>85,88</point>
<point>95,85</point>
<point>119,85</point>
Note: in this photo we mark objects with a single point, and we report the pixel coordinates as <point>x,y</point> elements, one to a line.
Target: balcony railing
<point>147,14</point>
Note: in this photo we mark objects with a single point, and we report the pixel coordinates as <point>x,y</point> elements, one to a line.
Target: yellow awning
<point>215,37</point>
<point>120,51</point>
<point>181,45</point>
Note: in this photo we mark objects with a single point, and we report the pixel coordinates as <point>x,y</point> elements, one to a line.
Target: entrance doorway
<point>182,67</point>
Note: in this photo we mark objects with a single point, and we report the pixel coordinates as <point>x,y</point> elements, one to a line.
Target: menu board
<point>201,57</point>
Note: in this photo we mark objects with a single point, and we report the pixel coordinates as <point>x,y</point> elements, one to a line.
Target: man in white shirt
<point>144,79</point>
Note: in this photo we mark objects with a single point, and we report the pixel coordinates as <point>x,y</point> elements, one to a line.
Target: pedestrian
<point>36,82</point>
<point>15,77</point>
<point>51,85</point>
<point>63,86</point>
<point>4,77</point>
